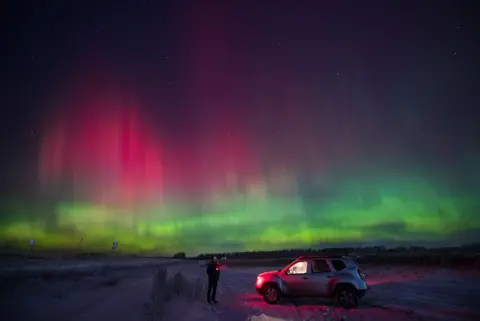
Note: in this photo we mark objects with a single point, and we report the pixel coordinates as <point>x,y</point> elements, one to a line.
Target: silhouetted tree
<point>179,255</point>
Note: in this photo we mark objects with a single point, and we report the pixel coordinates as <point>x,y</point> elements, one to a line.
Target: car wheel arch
<point>271,283</point>
<point>342,285</point>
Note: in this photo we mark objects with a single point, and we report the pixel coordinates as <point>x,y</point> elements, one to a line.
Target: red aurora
<point>104,152</point>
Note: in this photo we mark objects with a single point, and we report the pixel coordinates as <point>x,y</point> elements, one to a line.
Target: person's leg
<point>214,291</point>
<point>209,291</point>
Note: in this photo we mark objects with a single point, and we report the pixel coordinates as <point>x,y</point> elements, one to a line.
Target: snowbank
<point>182,280</point>
<point>320,313</point>
<point>262,317</point>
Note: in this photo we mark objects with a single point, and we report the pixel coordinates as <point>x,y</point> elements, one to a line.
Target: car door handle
<point>304,277</point>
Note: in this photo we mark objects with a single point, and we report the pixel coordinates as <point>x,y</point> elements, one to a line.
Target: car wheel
<point>347,297</point>
<point>271,293</point>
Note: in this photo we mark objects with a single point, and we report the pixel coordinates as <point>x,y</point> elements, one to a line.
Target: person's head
<point>214,259</point>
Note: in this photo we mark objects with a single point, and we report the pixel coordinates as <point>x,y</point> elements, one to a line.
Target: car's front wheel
<point>271,293</point>
<point>347,297</point>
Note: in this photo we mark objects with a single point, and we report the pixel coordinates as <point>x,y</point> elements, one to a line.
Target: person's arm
<point>209,270</point>
<point>217,270</point>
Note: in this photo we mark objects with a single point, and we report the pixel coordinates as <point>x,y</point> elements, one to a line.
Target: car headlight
<point>259,281</point>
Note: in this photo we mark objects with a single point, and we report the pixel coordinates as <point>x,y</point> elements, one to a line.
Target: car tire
<point>347,297</point>
<point>271,293</point>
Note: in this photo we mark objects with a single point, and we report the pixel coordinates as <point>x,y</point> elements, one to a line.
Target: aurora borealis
<point>232,127</point>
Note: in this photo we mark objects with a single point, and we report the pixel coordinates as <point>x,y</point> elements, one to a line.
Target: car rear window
<point>338,265</point>
<point>320,266</point>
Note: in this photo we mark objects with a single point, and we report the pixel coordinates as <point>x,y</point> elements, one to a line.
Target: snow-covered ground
<point>117,289</point>
<point>123,293</point>
<point>397,293</point>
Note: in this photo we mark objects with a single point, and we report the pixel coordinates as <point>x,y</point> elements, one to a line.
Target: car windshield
<point>289,263</point>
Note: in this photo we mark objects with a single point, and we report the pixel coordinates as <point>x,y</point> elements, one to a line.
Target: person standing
<point>213,272</point>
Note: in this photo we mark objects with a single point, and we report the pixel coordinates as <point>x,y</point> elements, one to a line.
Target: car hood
<point>268,273</point>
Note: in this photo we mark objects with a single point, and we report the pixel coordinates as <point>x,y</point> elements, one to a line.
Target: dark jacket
<point>213,271</point>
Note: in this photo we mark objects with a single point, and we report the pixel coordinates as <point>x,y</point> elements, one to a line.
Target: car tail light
<point>361,274</point>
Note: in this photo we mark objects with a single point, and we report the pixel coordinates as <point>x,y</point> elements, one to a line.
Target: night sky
<point>231,125</point>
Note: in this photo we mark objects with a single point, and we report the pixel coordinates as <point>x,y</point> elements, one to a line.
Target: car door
<point>296,278</point>
<point>320,277</point>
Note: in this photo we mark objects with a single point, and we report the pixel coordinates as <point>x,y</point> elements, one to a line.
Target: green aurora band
<point>400,209</point>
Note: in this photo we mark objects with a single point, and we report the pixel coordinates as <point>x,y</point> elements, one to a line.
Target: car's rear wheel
<point>347,297</point>
<point>271,293</point>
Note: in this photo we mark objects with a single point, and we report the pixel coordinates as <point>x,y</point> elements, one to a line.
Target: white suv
<point>315,276</point>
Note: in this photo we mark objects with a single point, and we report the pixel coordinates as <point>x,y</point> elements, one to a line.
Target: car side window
<point>338,265</point>
<point>298,268</point>
<point>320,266</point>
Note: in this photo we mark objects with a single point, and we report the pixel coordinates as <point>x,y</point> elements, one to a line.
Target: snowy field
<point>120,290</point>
<point>396,294</point>
<point>105,289</point>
